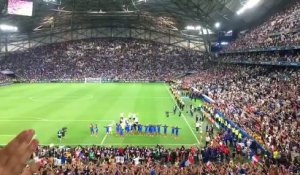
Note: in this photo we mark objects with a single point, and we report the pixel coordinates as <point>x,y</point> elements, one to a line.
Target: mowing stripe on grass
<point>183,115</point>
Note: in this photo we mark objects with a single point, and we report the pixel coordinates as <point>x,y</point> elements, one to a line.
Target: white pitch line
<point>103,139</point>
<point>183,115</point>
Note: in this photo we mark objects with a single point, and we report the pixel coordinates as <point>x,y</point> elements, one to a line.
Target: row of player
<point>150,129</point>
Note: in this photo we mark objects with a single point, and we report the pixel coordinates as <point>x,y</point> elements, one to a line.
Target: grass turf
<point>48,107</point>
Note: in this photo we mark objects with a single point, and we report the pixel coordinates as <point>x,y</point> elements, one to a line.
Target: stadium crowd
<point>282,29</point>
<point>218,157</point>
<point>264,101</point>
<point>118,59</point>
<point>291,56</point>
<point>3,78</point>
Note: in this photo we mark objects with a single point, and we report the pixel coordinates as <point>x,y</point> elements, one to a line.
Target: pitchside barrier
<point>5,83</point>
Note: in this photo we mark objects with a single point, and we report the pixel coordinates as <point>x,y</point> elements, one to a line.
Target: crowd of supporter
<point>291,56</point>
<point>282,29</point>
<point>3,78</point>
<point>219,157</point>
<point>118,59</point>
<point>264,101</point>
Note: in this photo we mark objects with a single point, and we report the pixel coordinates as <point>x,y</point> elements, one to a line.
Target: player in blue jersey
<point>127,128</point>
<point>177,131</point>
<point>91,129</point>
<point>96,130</point>
<point>165,129</point>
<point>150,130</point>
<point>158,129</point>
<point>140,128</point>
<point>118,127</point>
<point>173,130</point>
<point>146,129</point>
<point>121,132</point>
<point>107,129</point>
<point>154,129</point>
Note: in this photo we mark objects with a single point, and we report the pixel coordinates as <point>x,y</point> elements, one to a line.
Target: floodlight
<point>8,28</point>
<point>249,4</point>
<point>217,24</point>
<point>198,28</point>
<point>240,11</point>
<point>190,28</point>
<point>224,43</point>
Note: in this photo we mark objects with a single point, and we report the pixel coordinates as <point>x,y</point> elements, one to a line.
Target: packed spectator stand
<point>280,30</point>
<point>264,101</point>
<point>216,158</point>
<point>117,59</point>
<point>273,57</point>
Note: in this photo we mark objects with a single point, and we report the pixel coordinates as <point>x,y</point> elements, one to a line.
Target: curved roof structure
<point>156,14</point>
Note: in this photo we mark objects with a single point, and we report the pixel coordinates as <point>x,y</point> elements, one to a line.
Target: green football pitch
<point>49,107</point>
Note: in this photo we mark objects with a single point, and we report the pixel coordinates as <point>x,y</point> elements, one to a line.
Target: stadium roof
<point>157,14</point>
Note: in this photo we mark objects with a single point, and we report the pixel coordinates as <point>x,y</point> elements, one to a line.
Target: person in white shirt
<point>207,140</point>
<point>197,126</point>
<point>136,160</point>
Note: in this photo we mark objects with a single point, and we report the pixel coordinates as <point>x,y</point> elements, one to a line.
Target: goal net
<point>92,80</point>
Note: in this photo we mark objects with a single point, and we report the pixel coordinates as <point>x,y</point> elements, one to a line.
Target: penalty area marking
<point>183,116</point>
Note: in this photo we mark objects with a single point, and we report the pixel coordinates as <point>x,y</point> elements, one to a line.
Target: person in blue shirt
<point>158,129</point>
<point>92,129</point>
<point>140,128</point>
<point>96,130</point>
<point>127,128</point>
<point>121,132</point>
<point>154,129</point>
<point>118,126</point>
<point>177,131</point>
<point>150,129</point>
<point>107,129</point>
<point>165,129</point>
<point>173,130</point>
<point>152,171</point>
<point>146,129</point>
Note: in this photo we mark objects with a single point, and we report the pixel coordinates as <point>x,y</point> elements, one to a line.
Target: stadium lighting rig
<point>8,28</point>
<point>193,27</point>
<point>248,5</point>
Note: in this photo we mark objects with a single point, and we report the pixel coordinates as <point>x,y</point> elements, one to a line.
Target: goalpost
<point>93,80</point>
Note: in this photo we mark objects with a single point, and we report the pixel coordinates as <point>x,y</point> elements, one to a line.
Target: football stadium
<point>132,87</point>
